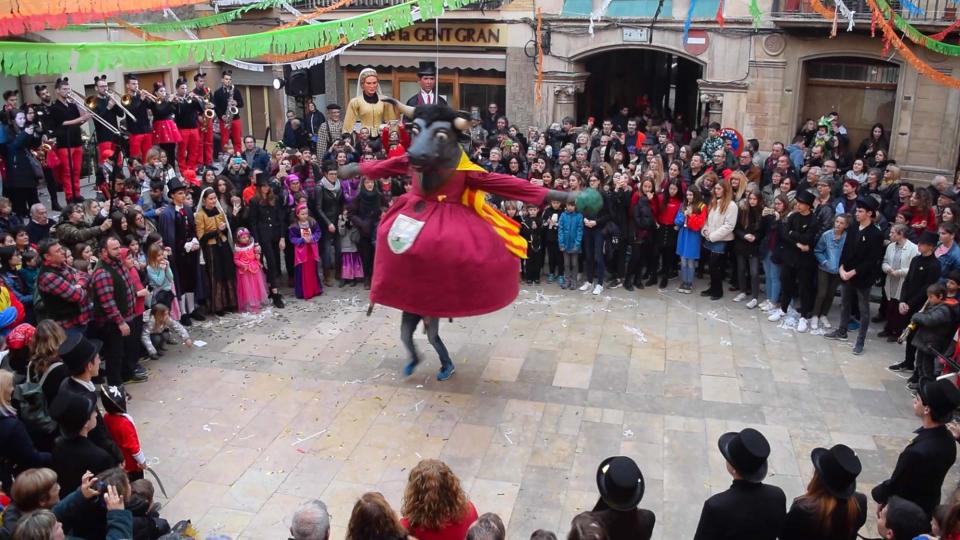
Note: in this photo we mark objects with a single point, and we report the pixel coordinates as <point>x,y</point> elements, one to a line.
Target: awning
<point>412,59</point>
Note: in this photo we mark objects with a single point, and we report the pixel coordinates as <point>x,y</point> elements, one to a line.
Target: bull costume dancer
<point>415,269</point>
<point>178,229</point>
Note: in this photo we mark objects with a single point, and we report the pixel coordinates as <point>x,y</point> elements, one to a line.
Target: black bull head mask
<point>436,133</point>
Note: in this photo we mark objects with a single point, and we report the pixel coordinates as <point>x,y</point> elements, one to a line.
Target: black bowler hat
<point>868,203</point>
<point>805,197</point>
<point>747,452</point>
<point>942,396</point>
<point>72,410</point>
<point>928,237</point>
<point>77,351</point>
<point>427,69</point>
<point>620,483</point>
<point>175,185</point>
<point>838,467</point>
<point>333,106</point>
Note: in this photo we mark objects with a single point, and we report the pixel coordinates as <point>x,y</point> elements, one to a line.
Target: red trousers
<point>206,143</point>
<point>107,145</point>
<point>140,144</point>
<point>70,163</point>
<point>231,132</point>
<point>188,151</point>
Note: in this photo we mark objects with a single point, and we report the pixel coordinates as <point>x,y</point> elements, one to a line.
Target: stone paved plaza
<point>309,402</point>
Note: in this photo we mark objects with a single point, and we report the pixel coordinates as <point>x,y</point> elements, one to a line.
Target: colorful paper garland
<point>22,16</point>
<point>29,58</point>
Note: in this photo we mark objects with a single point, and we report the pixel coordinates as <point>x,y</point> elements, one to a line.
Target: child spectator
<point>531,231</point>
<point>689,221</point>
<point>123,430</point>
<point>570,238</point>
<point>30,268</point>
<point>160,279</point>
<point>157,328</point>
<point>147,523</point>
<point>550,222</point>
<point>934,328</point>
<point>251,282</point>
<point>351,266</point>
<point>304,234</point>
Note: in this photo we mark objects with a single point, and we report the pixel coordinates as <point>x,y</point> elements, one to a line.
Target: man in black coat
<point>859,268</point>
<point>74,453</point>
<point>749,509</point>
<point>621,487</point>
<point>82,358</point>
<point>923,464</point>
<point>924,271</point>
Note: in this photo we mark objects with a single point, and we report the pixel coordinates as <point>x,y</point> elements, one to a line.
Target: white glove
<point>188,247</point>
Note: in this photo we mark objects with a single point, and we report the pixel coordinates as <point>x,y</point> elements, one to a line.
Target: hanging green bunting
<point>755,14</point>
<point>28,58</point>
<point>915,35</point>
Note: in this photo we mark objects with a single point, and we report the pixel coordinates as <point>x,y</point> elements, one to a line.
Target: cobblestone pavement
<point>309,402</point>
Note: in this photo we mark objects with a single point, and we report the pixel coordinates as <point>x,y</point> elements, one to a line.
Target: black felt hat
<point>838,467</point>
<point>620,483</point>
<point>928,237</point>
<point>942,396</point>
<point>747,452</point>
<point>805,197</point>
<point>427,69</point>
<point>77,351</point>
<point>72,410</point>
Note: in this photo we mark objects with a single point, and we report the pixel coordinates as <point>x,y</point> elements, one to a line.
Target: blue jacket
<point>570,232</point>
<point>828,250</point>
<point>949,262</point>
<point>796,156</point>
<point>688,240</point>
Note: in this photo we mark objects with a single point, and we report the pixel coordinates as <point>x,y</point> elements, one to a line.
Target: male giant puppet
<point>442,251</point>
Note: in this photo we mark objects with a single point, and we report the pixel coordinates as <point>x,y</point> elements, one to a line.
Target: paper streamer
<point>598,14</point>
<point>877,8</point>
<point>689,20</point>
<point>719,17</point>
<point>538,87</point>
<point>22,58</point>
<point>755,14</point>
<point>941,35</point>
<point>884,12</point>
<point>22,16</point>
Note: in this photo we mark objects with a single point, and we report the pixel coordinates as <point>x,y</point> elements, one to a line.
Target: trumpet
<point>41,153</point>
<point>127,99</point>
<point>81,102</point>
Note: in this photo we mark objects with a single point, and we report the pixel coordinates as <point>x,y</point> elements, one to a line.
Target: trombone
<point>113,97</point>
<point>81,102</point>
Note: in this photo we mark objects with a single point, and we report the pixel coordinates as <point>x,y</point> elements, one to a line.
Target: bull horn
<point>405,109</point>
<point>462,124</point>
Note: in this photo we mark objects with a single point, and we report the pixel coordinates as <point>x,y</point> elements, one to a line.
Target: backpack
<point>33,404</point>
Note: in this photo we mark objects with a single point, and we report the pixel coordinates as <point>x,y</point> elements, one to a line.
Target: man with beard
<point>113,301</point>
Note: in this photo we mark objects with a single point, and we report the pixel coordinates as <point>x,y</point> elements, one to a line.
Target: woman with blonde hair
<point>373,519</point>
<point>16,448</point>
<point>435,506</point>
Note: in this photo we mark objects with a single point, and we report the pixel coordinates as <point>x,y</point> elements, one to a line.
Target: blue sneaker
<point>562,282</point>
<point>408,369</point>
<point>550,278</point>
<point>445,373</point>
<point>853,325</point>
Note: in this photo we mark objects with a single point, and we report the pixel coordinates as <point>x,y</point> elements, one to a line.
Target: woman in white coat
<point>717,235</point>
<point>896,262</point>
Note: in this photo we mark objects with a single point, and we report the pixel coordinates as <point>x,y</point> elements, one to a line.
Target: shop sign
<point>461,35</point>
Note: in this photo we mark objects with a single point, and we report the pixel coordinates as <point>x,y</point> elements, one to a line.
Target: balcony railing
<point>931,12</point>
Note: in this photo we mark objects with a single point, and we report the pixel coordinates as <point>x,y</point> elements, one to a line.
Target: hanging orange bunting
<point>22,16</point>
<point>315,13</point>
<point>890,35</point>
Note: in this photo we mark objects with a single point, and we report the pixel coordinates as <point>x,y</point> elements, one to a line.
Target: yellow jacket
<point>370,115</point>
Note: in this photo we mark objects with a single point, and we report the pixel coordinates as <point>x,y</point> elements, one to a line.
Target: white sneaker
<point>776,315</point>
<point>825,323</point>
<point>802,325</point>
<point>586,286</point>
<point>740,297</point>
<point>765,305</point>
<point>752,303</point>
<point>597,289</point>
<point>814,323</point>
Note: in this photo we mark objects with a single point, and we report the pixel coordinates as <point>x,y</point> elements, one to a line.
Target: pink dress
<point>442,259</point>
<point>251,286</point>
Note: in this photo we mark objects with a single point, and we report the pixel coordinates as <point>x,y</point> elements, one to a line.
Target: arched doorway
<point>862,90</point>
<point>623,77</point>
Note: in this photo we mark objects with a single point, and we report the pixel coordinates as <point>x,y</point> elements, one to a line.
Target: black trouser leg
<point>716,273</point>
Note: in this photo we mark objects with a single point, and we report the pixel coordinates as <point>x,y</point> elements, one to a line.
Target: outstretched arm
<point>396,166</point>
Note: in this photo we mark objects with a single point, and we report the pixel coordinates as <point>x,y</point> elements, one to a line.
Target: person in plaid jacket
<point>113,302</point>
<point>62,290</point>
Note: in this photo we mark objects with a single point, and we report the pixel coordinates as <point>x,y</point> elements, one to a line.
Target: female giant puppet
<point>442,251</point>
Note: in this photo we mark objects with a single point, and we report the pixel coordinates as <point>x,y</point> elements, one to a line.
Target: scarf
<point>219,210</point>
<point>335,187</point>
<point>370,200</point>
